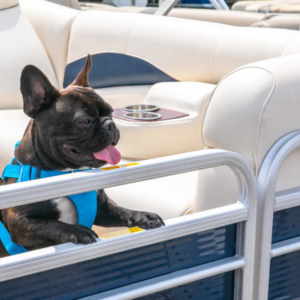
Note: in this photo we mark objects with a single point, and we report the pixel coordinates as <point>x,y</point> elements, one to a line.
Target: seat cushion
<point>169,197</point>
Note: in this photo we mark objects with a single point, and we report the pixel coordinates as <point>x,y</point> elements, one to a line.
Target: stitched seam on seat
<point>129,35</point>
<point>280,52</point>
<point>70,31</point>
<point>209,99</point>
<point>260,120</point>
<point>214,56</point>
<point>68,43</point>
<point>31,26</point>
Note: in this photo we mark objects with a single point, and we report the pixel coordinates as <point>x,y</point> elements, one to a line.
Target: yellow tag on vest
<point>120,166</point>
<point>121,232</point>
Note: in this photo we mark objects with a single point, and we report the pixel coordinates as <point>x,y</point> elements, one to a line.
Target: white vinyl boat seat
<point>186,72</point>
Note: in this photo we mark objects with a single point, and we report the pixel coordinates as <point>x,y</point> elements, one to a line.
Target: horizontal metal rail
<point>287,199</point>
<point>53,187</point>
<point>171,280</point>
<point>285,247</point>
<point>243,212</point>
<point>67,254</point>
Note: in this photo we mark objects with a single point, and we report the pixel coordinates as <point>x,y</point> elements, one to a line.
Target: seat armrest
<point>253,107</point>
<point>249,111</point>
<point>144,140</point>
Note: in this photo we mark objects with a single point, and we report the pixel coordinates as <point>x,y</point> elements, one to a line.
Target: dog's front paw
<point>145,220</point>
<point>78,234</point>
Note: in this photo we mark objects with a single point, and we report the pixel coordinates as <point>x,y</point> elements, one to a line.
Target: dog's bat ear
<point>37,91</point>
<point>82,77</point>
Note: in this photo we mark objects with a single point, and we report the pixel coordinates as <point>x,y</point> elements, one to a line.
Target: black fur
<point>67,127</point>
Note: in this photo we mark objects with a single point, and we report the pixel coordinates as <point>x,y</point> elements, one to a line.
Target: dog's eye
<point>86,122</point>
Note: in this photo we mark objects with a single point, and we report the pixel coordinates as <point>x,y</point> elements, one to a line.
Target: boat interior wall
<point>8,3</point>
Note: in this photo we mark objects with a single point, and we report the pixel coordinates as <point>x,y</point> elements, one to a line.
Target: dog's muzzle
<point>109,125</point>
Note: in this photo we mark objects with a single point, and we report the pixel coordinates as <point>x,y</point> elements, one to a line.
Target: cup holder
<point>144,116</point>
<point>141,107</point>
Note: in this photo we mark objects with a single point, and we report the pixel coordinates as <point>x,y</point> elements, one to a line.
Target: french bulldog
<point>69,129</point>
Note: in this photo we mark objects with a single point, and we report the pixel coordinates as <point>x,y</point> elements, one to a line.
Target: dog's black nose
<point>107,124</point>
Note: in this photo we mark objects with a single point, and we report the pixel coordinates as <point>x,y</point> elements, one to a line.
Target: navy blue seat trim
<point>286,224</point>
<point>284,277</point>
<point>219,287</point>
<point>116,270</point>
<point>114,69</point>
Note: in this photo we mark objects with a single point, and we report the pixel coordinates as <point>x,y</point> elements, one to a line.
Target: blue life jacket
<point>85,203</point>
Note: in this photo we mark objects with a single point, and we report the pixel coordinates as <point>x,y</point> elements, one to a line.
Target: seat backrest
<point>183,50</point>
<point>20,46</point>
<point>52,24</point>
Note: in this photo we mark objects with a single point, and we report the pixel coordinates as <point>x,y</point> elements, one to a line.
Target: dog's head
<point>71,128</point>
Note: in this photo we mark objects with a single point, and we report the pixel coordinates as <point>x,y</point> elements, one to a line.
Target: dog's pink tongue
<point>110,154</point>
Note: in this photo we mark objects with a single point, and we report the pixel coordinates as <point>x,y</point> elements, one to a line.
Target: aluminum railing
<point>242,213</point>
<point>270,202</point>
